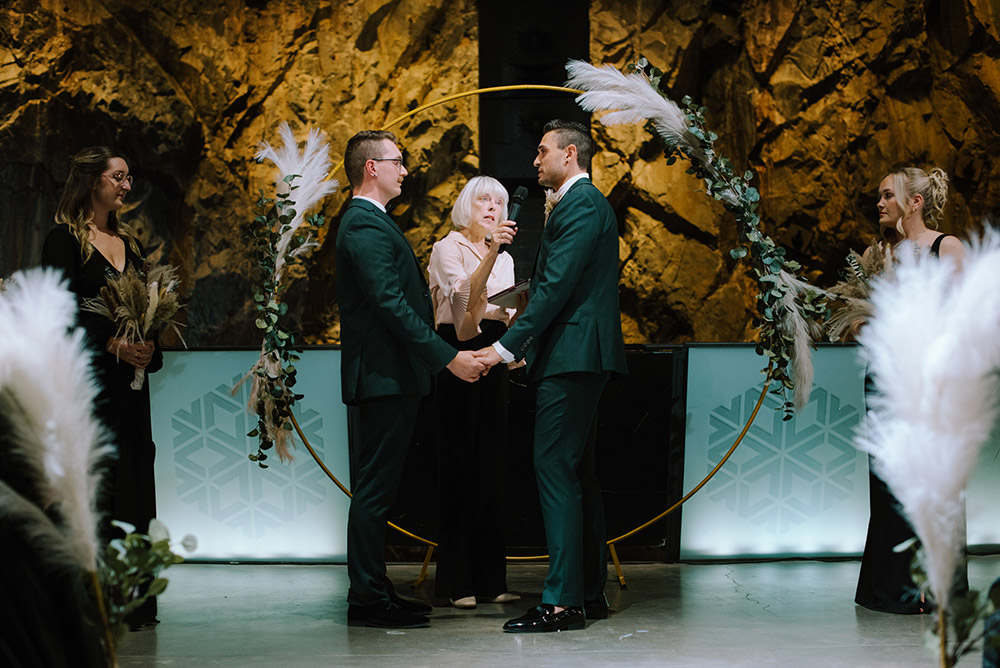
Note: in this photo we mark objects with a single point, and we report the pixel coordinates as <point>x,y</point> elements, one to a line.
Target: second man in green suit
<point>570,334</point>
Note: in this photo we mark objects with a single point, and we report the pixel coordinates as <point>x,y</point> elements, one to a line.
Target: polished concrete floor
<point>792,613</point>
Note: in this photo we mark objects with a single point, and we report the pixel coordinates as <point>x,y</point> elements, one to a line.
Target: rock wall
<point>187,90</point>
<point>820,99</point>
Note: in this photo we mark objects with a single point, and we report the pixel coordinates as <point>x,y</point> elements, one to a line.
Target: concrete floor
<point>793,613</point>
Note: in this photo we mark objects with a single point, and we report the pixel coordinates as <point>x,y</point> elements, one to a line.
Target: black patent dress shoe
<point>384,614</point>
<point>596,608</point>
<point>544,619</point>
<point>406,605</point>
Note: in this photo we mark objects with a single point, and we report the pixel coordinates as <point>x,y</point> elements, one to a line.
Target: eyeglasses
<point>118,177</point>
<point>398,161</point>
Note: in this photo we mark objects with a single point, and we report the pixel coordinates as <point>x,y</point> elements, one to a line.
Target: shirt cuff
<point>504,354</point>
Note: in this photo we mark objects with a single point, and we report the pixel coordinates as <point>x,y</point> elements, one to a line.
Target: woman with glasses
<point>465,267</point>
<point>90,243</point>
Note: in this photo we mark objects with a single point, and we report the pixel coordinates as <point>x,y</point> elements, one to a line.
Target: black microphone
<point>516,201</point>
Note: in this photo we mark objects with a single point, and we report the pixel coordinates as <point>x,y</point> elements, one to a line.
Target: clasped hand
<point>471,365</point>
<point>137,354</point>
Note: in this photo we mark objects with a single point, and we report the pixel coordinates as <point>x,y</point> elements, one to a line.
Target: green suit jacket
<point>573,321</point>
<point>387,338</point>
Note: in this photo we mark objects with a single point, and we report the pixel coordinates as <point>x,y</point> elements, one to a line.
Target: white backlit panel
<point>206,486</point>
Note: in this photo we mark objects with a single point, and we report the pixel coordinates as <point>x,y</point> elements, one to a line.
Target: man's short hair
<point>571,132</point>
<point>361,148</point>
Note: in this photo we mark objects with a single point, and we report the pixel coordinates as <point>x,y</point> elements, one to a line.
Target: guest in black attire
<point>89,243</point>
<point>465,267</point>
<point>910,205</point>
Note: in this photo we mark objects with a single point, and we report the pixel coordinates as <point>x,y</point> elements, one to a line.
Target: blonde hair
<point>85,169</point>
<point>932,186</point>
<point>461,213</point>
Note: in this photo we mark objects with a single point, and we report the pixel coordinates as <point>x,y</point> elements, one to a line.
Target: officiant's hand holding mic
<point>503,235</point>
<point>505,231</point>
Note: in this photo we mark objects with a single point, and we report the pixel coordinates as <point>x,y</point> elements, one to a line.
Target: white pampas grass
<point>634,101</point>
<point>934,347</point>
<point>49,392</point>
<point>311,165</point>
<point>802,332</point>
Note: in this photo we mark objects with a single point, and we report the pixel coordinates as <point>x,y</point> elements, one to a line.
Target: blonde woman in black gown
<point>910,205</point>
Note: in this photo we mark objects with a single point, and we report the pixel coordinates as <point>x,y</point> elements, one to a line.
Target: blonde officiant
<point>465,267</point>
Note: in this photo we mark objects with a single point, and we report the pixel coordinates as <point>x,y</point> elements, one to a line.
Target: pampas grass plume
<point>45,366</point>
<point>934,348</point>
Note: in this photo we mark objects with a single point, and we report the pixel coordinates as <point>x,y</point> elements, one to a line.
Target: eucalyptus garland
<point>774,272</point>
<point>274,374</point>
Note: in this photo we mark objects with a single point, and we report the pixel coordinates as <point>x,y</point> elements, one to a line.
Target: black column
<point>526,42</point>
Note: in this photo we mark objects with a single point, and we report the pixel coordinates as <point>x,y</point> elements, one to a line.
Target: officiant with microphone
<point>467,266</point>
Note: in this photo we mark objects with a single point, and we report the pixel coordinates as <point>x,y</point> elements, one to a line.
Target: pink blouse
<point>453,259</point>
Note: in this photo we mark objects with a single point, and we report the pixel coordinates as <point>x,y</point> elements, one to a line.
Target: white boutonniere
<point>551,199</point>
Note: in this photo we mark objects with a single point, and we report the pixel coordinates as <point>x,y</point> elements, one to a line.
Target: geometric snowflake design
<point>784,472</point>
<point>215,476</point>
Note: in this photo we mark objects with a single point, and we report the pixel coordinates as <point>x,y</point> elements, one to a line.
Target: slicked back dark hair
<point>571,132</point>
<point>361,148</point>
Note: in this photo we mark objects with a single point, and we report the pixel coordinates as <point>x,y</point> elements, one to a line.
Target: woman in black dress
<point>910,205</point>
<point>89,243</point>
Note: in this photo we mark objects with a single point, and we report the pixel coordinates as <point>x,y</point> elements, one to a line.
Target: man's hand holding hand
<point>488,356</point>
<point>467,366</point>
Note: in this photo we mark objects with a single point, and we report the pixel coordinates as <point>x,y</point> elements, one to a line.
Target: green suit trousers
<point>570,494</point>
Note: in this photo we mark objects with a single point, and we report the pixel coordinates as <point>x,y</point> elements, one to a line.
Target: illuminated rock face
<point>819,98</point>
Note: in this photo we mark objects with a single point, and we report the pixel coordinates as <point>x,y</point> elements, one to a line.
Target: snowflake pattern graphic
<point>784,472</point>
<point>215,476</point>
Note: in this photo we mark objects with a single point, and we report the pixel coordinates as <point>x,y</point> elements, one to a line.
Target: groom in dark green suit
<point>570,333</point>
<point>389,353</point>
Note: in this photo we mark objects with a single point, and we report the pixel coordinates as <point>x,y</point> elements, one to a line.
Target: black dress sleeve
<point>61,251</point>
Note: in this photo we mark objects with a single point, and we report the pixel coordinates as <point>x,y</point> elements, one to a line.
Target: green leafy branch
<point>768,261</point>
<point>966,614</point>
<point>130,571</point>
<point>274,374</point>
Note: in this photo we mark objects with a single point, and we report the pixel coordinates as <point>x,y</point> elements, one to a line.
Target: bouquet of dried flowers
<point>138,302</point>
<point>850,299</point>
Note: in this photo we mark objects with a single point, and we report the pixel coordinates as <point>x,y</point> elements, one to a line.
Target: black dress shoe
<point>544,619</point>
<point>596,608</point>
<point>412,607</point>
<point>384,614</point>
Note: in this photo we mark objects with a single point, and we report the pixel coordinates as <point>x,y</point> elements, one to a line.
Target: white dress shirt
<point>369,199</point>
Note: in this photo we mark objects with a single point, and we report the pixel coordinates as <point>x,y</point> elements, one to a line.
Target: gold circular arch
<point>448,98</point>
<point>611,543</point>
